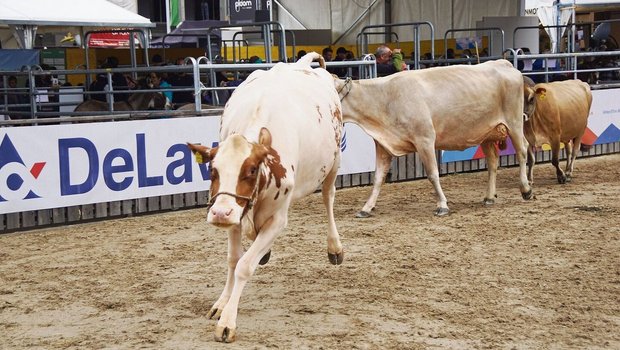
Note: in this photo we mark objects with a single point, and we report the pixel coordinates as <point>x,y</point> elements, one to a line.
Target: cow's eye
<point>252,171</point>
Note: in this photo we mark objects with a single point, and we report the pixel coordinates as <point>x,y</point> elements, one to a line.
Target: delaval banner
<point>63,165</point>
<point>54,166</point>
<point>357,151</point>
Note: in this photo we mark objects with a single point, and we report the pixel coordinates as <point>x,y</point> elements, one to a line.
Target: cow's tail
<point>502,144</point>
<point>310,57</point>
<point>585,148</point>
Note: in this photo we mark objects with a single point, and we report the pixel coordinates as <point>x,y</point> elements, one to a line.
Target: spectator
<point>160,81</point>
<point>182,80</point>
<point>15,98</point>
<point>328,54</point>
<point>341,55</point>
<point>300,54</point>
<point>388,61</point>
<point>157,60</point>
<point>119,82</point>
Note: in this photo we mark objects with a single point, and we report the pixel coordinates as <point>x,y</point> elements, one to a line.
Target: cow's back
<point>475,98</point>
<point>300,108</point>
<point>565,102</point>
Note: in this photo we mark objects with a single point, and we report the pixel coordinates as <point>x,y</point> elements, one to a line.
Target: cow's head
<point>235,174</point>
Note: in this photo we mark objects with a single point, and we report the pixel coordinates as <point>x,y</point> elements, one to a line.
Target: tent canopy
<point>95,13</point>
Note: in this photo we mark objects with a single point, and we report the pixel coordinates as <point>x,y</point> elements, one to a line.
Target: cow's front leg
<point>383,162</point>
<point>226,328</point>
<point>235,251</point>
<point>555,160</point>
<point>427,155</point>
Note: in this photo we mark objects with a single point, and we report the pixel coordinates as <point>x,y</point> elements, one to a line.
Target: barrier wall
<point>59,174</point>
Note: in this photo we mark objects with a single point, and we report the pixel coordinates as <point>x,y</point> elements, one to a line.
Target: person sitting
<point>388,61</point>
<point>160,81</point>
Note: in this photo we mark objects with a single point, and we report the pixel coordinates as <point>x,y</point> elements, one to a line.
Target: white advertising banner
<point>605,112</point>
<point>358,151</point>
<point>54,166</point>
<point>62,165</point>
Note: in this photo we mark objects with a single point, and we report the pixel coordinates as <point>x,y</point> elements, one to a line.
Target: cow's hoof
<point>527,195</point>
<point>562,179</point>
<point>265,258</point>
<point>488,201</point>
<point>224,334</point>
<point>569,178</point>
<point>442,211</point>
<point>362,214</point>
<point>336,259</point>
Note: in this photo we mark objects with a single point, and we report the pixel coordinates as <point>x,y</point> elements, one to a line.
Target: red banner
<point>116,39</point>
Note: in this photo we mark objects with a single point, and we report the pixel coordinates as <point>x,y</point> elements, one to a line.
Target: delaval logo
<point>119,169</point>
<point>16,177</point>
<point>243,4</point>
<point>343,140</point>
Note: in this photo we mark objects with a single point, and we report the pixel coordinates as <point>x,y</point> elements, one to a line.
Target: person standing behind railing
<point>388,61</point>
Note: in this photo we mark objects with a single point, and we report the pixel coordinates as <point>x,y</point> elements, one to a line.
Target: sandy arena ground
<point>543,274</point>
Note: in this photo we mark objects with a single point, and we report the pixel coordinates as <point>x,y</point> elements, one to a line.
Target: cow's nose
<point>220,213</point>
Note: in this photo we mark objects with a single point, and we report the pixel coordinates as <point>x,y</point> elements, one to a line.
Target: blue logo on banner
<point>16,180</point>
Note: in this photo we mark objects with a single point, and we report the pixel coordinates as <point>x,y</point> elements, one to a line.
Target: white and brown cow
<point>281,133</point>
<point>447,108</point>
<point>557,113</point>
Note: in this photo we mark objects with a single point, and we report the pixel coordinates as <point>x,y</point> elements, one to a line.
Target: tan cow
<point>447,108</point>
<point>558,113</point>
<point>281,133</point>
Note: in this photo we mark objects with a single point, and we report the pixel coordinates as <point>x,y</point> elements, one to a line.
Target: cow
<point>281,132</point>
<point>446,108</point>
<point>557,113</point>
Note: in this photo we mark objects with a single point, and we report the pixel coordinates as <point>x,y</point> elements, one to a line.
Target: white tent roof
<point>96,13</point>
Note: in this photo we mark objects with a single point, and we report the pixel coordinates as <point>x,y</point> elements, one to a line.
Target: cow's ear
<point>264,137</point>
<point>541,92</point>
<point>202,153</point>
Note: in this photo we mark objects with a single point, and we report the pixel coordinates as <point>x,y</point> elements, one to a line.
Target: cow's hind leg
<point>226,328</point>
<point>383,161</point>
<point>427,155</point>
<point>555,160</point>
<point>335,253</point>
<point>235,251</point>
<point>520,145</point>
<point>531,161</point>
<point>492,162</point>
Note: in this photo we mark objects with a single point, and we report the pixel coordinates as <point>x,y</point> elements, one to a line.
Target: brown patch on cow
<point>249,173</point>
<point>277,195</point>
<point>286,191</point>
<point>337,114</point>
<point>215,183</point>
<point>276,170</point>
<point>292,167</point>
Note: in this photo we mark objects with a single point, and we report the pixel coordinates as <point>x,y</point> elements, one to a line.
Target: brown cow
<point>557,112</point>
